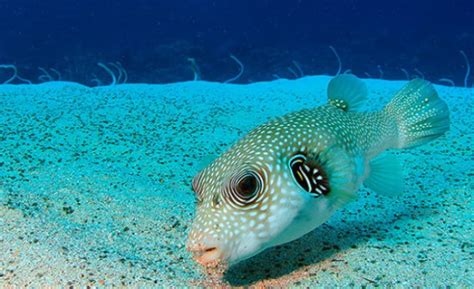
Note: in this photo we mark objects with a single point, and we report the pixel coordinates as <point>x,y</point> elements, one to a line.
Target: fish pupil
<point>247,186</point>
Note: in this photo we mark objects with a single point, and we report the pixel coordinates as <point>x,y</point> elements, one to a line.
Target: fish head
<point>249,199</point>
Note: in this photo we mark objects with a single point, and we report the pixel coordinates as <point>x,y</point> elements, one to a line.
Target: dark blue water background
<point>153,39</point>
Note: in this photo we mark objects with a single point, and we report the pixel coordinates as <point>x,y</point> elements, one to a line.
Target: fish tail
<point>420,114</point>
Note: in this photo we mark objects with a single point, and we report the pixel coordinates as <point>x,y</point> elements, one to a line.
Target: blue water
<point>96,167</point>
<point>153,39</point>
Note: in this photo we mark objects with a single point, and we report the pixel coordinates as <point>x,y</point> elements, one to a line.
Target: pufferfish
<point>288,176</point>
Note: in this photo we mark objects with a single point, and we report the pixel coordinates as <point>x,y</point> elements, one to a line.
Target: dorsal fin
<point>347,92</point>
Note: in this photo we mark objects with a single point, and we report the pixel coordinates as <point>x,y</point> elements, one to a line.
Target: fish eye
<point>244,189</point>
<point>247,186</point>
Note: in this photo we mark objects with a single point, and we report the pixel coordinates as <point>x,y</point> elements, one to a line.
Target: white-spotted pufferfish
<point>288,176</point>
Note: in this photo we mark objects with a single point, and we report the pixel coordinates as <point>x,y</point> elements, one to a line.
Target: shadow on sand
<point>315,247</point>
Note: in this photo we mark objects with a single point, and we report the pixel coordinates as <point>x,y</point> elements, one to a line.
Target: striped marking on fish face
<point>249,195</point>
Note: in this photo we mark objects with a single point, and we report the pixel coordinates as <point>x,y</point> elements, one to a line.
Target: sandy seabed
<point>95,190</point>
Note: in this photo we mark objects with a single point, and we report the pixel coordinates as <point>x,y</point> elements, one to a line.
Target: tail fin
<point>420,114</point>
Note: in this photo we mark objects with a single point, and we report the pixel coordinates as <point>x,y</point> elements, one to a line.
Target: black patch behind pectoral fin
<point>326,173</point>
<point>309,175</point>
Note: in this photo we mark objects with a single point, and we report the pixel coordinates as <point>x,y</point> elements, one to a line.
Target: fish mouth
<point>210,257</point>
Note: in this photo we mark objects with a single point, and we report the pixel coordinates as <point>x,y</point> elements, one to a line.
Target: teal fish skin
<point>288,176</point>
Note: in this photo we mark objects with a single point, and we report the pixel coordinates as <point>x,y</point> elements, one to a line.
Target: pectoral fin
<point>385,176</point>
